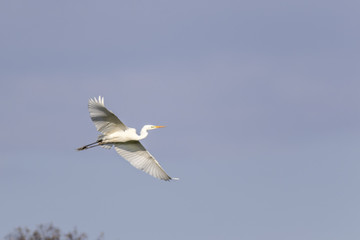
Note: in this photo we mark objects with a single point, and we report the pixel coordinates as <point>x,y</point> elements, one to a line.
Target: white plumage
<point>125,140</point>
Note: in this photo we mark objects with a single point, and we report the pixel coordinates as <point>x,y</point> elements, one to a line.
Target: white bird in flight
<point>124,139</point>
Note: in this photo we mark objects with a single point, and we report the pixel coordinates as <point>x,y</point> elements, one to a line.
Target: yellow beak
<point>159,126</point>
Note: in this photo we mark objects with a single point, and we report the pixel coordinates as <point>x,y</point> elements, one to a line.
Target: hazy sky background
<point>260,100</point>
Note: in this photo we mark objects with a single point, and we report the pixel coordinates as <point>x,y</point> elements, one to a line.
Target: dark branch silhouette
<point>47,232</point>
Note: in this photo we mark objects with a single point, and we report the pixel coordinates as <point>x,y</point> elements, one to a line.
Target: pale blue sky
<point>260,100</point>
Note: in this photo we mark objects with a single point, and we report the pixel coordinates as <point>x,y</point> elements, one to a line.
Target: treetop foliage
<point>47,232</point>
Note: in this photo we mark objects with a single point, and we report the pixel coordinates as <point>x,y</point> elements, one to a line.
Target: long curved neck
<point>143,133</point>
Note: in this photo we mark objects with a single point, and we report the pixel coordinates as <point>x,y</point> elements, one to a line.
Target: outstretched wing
<point>105,121</point>
<point>136,154</point>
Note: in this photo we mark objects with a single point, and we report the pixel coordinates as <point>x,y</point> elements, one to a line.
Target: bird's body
<point>123,136</point>
<point>124,139</point>
<point>127,135</point>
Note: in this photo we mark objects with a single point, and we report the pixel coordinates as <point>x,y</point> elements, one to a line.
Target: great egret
<point>125,140</point>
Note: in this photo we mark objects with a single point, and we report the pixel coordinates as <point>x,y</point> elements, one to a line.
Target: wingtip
<point>175,178</point>
<point>99,99</point>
